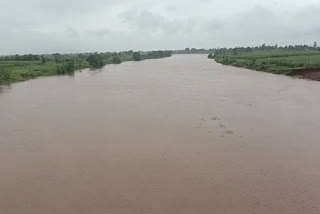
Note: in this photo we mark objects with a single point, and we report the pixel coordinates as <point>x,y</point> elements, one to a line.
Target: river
<point>175,135</point>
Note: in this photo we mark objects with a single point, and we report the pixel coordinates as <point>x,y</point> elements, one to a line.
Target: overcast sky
<point>48,26</point>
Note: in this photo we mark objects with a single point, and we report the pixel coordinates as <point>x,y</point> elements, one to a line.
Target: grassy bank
<point>288,62</point>
<point>16,68</point>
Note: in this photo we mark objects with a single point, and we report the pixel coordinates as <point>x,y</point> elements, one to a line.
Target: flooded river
<point>169,136</point>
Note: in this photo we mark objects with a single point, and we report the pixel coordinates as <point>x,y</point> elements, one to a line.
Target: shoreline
<point>305,73</point>
<point>16,73</point>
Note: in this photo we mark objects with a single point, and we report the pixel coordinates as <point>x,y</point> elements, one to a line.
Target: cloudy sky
<point>47,26</point>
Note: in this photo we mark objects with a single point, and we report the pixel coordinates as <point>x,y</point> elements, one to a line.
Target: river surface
<point>169,136</point>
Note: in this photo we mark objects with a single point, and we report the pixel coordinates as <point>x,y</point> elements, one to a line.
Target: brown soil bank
<point>310,73</point>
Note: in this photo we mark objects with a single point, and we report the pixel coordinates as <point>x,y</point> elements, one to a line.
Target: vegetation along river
<point>176,135</point>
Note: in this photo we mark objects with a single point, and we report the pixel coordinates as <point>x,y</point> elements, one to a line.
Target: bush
<point>137,56</point>
<point>116,59</point>
<point>66,68</point>
<point>4,75</point>
<point>95,60</point>
<point>69,66</point>
<point>157,54</point>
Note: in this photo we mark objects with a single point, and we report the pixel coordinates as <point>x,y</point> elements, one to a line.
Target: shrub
<point>95,60</point>
<point>66,68</point>
<point>210,56</point>
<point>137,56</point>
<point>116,59</point>
<point>4,75</point>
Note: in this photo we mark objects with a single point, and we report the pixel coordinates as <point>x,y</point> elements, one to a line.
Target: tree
<point>16,57</point>
<point>67,67</point>
<point>116,59</point>
<point>157,54</point>
<point>137,56</point>
<point>235,51</point>
<point>4,75</point>
<point>58,57</point>
<point>315,44</point>
<point>210,56</point>
<point>95,60</point>
<point>43,60</point>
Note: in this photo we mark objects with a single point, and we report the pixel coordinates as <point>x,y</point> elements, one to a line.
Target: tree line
<point>17,57</point>
<point>264,47</point>
<point>97,60</point>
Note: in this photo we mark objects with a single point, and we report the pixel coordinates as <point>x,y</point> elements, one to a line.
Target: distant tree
<point>116,58</point>
<point>187,50</point>
<point>29,57</point>
<point>43,60</point>
<point>16,57</point>
<point>137,56</point>
<point>58,57</point>
<point>315,44</point>
<point>36,57</point>
<point>69,66</point>
<point>210,56</point>
<point>26,57</point>
<point>235,51</point>
<point>157,54</point>
<point>95,60</point>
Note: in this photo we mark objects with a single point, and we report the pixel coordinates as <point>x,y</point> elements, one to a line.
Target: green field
<point>17,68</point>
<point>287,62</point>
<point>20,71</point>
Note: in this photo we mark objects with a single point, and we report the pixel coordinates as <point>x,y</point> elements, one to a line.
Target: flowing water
<point>176,135</point>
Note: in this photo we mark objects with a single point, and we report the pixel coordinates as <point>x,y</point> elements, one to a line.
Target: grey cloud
<point>71,32</point>
<point>98,32</point>
<point>143,20</point>
<point>110,25</point>
<point>148,22</point>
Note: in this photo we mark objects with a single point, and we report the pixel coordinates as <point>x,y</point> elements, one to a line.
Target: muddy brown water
<point>177,135</point>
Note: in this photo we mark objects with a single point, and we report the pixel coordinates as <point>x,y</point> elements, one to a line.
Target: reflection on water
<point>176,135</point>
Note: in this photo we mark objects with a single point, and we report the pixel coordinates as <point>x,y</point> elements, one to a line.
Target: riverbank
<point>18,68</point>
<point>304,63</point>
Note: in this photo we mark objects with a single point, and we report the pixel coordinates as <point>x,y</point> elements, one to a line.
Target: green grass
<point>14,69</point>
<point>273,61</point>
<point>24,70</point>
